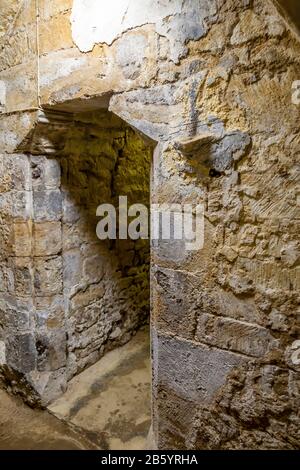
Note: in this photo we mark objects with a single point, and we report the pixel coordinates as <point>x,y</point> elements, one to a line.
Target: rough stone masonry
<point>209,84</point>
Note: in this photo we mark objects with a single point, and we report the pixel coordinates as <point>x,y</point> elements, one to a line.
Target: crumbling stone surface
<point>257,408</point>
<point>211,83</point>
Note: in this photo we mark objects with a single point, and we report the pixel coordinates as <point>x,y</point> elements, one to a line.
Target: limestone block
<point>87,341</point>
<point>2,96</point>
<point>49,9</point>
<point>176,300</point>
<point>23,276</point>
<point>19,47</point>
<point>72,274</point>
<point>51,346</point>
<point>81,320</point>
<point>266,275</point>
<point>22,238</point>
<point>47,238</point>
<point>277,93</point>
<point>85,297</point>
<point>229,150</point>
<point>94,268</point>
<point>8,12</point>
<point>62,73</point>
<point>248,234</point>
<point>15,173</point>
<point>48,276</point>
<point>2,353</point>
<point>15,128</point>
<point>16,204</point>
<point>81,231</point>
<point>249,28</point>
<point>50,312</point>
<point>48,385</point>
<point>276,26</point>
<point>131,54</point>
<point>192,146</point>
<point>240,283</point>
<point>55,34</point>
<point>229,253</point>
<point>87,360</point>
<point>179,29</point>
<point>278,321</point>
<point>174,420</point>
<point>292,357</point>
<point>290,254</point>
<point>16,314</point>
<point>150,111</point>
<point>6,232</point>
<point>225,303</point>
<point>191,371</point>
<point>166,250</point>
<point>21,86</point>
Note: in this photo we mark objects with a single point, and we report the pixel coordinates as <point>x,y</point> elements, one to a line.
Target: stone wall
<point>211,83</point>
<point>290,9</point>
<point>106,284</point>
<point>68,297</point>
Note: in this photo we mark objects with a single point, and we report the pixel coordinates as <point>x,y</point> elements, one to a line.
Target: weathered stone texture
<point>18,54</point>
<point>240,294</point>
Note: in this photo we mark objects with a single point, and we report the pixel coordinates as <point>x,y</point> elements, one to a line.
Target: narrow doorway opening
<point>106,286</point>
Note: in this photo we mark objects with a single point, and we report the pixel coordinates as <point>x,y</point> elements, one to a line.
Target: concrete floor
<point>110,401</point>
<point>105,407</point>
